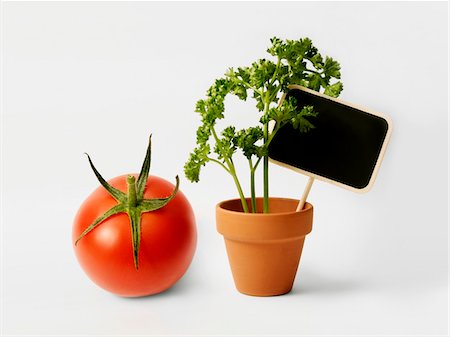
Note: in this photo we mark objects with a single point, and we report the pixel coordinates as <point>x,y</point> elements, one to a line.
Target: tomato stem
<point>132,195</point>
<point>132,203</point>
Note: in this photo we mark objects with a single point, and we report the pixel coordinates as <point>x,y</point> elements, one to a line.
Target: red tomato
<point>167,245</point>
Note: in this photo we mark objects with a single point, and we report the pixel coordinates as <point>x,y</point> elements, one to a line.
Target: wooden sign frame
<point>380,156</point>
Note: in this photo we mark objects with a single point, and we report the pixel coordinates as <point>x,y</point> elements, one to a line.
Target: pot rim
<point>225,210</point>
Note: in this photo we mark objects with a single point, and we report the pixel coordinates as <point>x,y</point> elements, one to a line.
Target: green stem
<point>248,86</point>
<point>266,164</point>
<point>312,71</point>
<point>252,185</point>
<point>232,171</point>
<point>268,99</point>
<point>275,73</point>
<point>266,178</point>
<point>220,163</point>
<point>275,93</point>
<point>273,133</point>
<point>267,141</point>
<point>132,195</point>
<point>239,188</point>
<point>257,163</point>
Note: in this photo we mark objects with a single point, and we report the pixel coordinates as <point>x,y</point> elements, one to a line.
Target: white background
<point>99,77</point>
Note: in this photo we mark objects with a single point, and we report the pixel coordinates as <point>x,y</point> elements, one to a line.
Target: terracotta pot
<point>264,249</point>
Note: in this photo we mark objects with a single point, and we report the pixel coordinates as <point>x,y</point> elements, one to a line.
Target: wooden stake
<point>305,194</point>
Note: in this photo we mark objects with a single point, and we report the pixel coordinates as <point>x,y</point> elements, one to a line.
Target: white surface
<point>99,77</point>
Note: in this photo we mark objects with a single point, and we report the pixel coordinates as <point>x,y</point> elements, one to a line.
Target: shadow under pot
<point>264,249</point>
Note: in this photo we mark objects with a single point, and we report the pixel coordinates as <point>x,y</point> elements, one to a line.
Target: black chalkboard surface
<point>345,147</point>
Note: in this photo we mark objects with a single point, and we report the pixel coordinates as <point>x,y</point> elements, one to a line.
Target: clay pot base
<point>264,269</point>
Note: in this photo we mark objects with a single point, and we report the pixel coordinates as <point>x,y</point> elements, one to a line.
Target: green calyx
<point>132,203</point>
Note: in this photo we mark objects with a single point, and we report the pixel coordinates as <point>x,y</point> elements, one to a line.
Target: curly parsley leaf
<point>300,119</point>
<point>246,140</point>
<point>197,159</point>
<point>334,90</point>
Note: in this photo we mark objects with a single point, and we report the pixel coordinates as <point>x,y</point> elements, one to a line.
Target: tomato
<point>135,262</point>
<point>168,240</point>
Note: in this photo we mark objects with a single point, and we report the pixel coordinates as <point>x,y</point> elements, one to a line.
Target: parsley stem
<point>252,184</point>
<point>257,163</point>
<point>239,188</point>
<point>312,71</point>
<point>266,162</point>
<point>266,181</point>
<point>220,163</point>
<point>248,86</point>
<point>274,131</point>
<point>275,73</point>
<point>231,170</point>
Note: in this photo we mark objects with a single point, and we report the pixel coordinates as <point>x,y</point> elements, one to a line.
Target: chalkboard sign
<point>345,147</point>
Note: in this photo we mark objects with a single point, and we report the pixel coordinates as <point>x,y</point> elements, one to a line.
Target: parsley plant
<point>295,62</point>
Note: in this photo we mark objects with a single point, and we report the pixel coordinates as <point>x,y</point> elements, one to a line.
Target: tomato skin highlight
<point>168,241</point>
